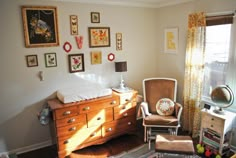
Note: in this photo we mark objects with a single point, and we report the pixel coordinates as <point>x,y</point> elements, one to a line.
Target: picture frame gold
<point>40,26</point>
<point>74,25</point>
<point>76,63</point>
<point>99,37</point>
<point>96,57</point>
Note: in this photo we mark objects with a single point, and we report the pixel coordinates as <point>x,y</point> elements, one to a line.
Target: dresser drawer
<point>121,113</point>
<point>212,122</point>
<point>70,129</point>
<point>79,119</point>
<point>99,117</point>
<point>119,126</point>
<point>66,112</point>
<point>81,136</point>
<point>98,105</point>
<point>127,97</point>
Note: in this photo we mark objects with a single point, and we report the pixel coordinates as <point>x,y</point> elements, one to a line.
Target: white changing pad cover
<point>69,95</point>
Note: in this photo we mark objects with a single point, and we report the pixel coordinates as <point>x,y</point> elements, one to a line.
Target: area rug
<point>143,152</point>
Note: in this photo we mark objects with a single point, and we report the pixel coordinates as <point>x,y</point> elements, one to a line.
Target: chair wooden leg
<point>145,134</point>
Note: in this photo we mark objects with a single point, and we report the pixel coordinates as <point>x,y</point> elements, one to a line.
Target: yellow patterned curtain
<point>194,66</point>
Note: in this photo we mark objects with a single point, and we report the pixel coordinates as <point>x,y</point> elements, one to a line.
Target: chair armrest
<point>179,112</point>
<point>144,109</point>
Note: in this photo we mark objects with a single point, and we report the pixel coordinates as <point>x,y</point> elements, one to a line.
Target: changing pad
<point>69,95</point>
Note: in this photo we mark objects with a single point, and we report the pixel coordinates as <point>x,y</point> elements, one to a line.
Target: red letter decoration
<point>67,47</point>
<point>79,41</point>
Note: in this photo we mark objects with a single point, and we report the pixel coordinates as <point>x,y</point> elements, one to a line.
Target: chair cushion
<point>161,120</point>
<point>165,106</point>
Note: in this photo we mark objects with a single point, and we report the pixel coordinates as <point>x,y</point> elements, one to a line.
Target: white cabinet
<point>216,130</point>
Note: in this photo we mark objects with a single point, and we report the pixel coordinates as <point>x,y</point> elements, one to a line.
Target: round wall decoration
<point>67,47</point>
<point>111,57</point>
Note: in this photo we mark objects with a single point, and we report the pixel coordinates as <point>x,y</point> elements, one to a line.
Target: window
<point>218,54</point>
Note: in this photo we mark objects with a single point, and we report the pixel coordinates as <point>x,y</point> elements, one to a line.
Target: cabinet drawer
<point>98,105</point>
<point>70,129</point>
<point>66,112</point>
<point>121,113</point>
<point>127,98</point>
<point>119,126</point>
<point>79,119</point>
<point>212,122</point>
<point>99,117</point>
<point>80,137</point>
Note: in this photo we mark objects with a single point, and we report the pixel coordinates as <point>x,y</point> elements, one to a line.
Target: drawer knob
<point>67,113</point>
<point>127,100</point>
<point>66,141</point>
<point>124,107</point>
<point>212,119</point>
<point>109,129</point>
<point>99,118</point>
<point>113,102</point>
<point>72,129</point>
<point>86,108</point>
<point>129,123</point>
<point>93,134</point>
<point>125,114</point>
<point>212,126</point>
<point>71,120</point>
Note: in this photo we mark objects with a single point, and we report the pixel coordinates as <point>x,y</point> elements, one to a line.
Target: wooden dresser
<point>81,124</point>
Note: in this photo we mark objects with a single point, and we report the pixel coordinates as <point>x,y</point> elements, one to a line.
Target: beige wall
<point>22,94</point>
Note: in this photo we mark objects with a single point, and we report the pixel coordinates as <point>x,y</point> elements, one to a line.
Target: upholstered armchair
<point>159,108</point>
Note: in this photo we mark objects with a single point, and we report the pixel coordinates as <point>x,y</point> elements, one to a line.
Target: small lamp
<point>121,67</point>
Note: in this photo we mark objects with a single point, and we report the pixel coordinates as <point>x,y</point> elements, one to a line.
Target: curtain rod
<point>221,13</point>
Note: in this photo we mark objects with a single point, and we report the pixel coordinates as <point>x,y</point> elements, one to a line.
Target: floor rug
<point>143,152</point>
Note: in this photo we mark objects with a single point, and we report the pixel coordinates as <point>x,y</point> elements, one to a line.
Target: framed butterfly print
<point>31,60</point>
<point>74,25</point>
<point>50,59</point>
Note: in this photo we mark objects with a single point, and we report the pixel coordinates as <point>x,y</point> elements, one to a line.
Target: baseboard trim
<point>29,148</point>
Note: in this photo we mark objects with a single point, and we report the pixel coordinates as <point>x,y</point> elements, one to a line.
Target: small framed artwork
<point>118,41</point>
<point>96,57</point>
<point>74,25</point>
<point>40,26</point>
<point>95,17</point>
<point>50,59</point>
<point>76,63</point>
<point>171,40</point>
<point>99,37</point>
<point>32,60</point>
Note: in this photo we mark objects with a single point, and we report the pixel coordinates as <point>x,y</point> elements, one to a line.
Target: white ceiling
<point>134,3</point>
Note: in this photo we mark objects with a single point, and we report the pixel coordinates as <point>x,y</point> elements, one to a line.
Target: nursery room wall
<point>22,92</point>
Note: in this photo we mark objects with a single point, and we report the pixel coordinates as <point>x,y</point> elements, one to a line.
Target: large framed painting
<point>40,26</point>
<point>99,37</point>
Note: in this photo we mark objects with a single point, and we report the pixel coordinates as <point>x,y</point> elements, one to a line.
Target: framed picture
<point>76,62</point>
<point>50,59</point>
<point>32,60</point>
<point>74,25</point>
<point>171,40</point>
<point>118,41</point>
<point>96,57</point>
<point>99,37</point>
<point>40,26</point>
<point>95,17</point>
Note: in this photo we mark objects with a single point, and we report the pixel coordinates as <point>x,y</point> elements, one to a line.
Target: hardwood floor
<point>112,147</point>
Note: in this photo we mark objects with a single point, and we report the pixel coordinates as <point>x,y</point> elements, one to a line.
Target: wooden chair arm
<point>179,113</point>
